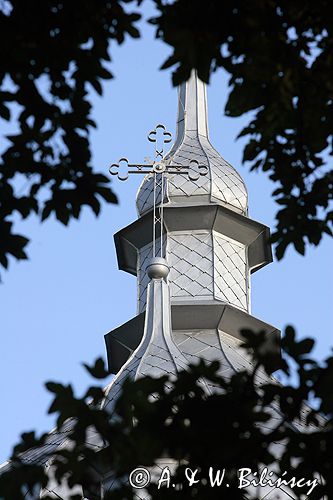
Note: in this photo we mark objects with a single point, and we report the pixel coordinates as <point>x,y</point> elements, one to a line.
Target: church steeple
<point>210,244</point>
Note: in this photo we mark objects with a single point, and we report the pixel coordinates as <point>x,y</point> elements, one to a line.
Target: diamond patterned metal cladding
<point>202,266</point>
<point>180,185</point>
<point>190,258</point>
<point>230,271</point>
<point>221,183</point>
<point>212,345</point>
<point>227,184</point>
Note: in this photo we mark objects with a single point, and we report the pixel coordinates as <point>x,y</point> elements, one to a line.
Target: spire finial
<point>192,107</point>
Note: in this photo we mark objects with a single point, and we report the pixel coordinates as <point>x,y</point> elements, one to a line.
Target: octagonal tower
<point>209,242</point>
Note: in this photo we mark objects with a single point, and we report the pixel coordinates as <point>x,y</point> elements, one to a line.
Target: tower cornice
<point>254,235</point>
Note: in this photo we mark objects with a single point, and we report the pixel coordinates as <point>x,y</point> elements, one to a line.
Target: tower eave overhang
<point>251,233</point>
<point>122,341</point>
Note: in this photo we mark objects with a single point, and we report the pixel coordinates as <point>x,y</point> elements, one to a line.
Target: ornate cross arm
<point>123,169</point>
<point>160,136</point>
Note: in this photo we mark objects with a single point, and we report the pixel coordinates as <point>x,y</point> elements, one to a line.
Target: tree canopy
<point>278,55</point>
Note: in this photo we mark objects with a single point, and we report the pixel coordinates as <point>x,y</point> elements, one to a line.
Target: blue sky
<point>56,307</point>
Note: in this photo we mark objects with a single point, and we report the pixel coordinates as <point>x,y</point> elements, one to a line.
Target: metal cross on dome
<point>157,168</point>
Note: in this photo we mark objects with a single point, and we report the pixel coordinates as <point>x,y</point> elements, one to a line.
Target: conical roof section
<point>221,185</point>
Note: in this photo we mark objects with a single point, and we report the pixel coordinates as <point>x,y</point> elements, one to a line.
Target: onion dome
<point>221,185</point>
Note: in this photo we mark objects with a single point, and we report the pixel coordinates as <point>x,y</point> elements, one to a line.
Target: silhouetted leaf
<point>98,370</point>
